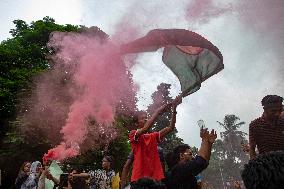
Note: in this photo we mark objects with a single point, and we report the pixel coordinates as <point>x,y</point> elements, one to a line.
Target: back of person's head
<point>78,183</point>
<point>266,171</point>
<point>147,183</point>
<point>271,100</point>
<point>173,158</point>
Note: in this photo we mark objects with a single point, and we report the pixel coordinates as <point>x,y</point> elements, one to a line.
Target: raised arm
<point>151,121</point>
<point>125,172</point>
<point>82,175</point>
<point>165,131</point>
<point>206,145</point>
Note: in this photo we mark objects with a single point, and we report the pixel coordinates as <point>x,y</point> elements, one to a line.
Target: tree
<point>215,173</point>
<point>232,137</point>
<point>21,58</point>
<point>119,149</point>
<point>227,157</point>
<point>24,59</point>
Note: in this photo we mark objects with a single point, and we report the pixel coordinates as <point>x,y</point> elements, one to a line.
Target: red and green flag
<point>191,57</point>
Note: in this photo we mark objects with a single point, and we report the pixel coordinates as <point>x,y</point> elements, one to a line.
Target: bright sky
<point>253,61</point>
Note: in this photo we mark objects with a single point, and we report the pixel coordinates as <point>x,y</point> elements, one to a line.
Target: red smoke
<point>261,17</point>
<point>102,82</point>
<point>202,11</point>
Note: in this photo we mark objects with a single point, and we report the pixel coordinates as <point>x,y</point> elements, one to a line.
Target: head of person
<point>26,167</point>
<point>266,171</point>
<point>272,106</point>
<point>107,162</point>
<point>140,119</point>
<point>181,153</point>
<point>36,168</point>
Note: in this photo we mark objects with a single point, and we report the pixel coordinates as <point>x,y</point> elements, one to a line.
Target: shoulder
<point>197,163</point>
<point>256,123</point>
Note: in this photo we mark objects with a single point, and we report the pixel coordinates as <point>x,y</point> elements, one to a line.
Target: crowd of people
<point>179,169</point>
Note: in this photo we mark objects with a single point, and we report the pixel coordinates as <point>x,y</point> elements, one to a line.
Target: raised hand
<point>48,174</point>
<point>204,133</point>
<point>177,100</point>
<point>212,136</point>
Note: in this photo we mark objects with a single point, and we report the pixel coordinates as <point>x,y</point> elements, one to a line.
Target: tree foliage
<point>24,58</point>
<point>227,158</point>
<point>21,58</point>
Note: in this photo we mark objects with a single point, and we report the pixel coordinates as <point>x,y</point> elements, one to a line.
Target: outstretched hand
<point>48,174</point>
<point>172,104</point>
<point>204,133</point>
<point>210,137</point>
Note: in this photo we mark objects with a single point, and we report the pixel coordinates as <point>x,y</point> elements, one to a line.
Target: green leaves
<point>22,57</point>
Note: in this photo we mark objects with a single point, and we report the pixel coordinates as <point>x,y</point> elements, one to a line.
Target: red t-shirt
<point>146,157</point>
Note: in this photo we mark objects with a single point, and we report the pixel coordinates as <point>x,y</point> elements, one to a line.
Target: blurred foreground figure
<point>265,172</point>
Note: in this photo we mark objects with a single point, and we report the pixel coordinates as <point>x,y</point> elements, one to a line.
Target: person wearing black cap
<point>267,132</point>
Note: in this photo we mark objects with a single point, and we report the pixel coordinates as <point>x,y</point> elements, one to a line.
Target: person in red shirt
<point>144,145</point>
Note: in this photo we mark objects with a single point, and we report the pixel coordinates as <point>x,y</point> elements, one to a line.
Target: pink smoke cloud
<point>101,82</point>
<point>261,17</point>
<point>202,11</point>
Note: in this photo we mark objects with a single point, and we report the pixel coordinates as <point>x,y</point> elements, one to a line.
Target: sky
<point>248,34</point>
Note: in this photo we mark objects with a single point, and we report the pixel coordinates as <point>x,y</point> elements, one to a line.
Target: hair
<point>110,160</point>
<point>271,99</point>
<point>137,115</point>
<point>23,165</point>
<point>173,158</point>
<point>147,183</point>
<point>266,171</point>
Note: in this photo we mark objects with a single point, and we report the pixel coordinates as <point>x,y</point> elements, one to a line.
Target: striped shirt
<point>266,136</point>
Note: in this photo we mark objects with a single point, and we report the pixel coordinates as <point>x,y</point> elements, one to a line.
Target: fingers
<point>204,132</point>
<point>213,133</point>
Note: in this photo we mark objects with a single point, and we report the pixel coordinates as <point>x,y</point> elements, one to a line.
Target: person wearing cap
<point>267,132</point>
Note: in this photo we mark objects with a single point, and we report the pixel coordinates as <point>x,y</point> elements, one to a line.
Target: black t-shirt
<point>182,175</point>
